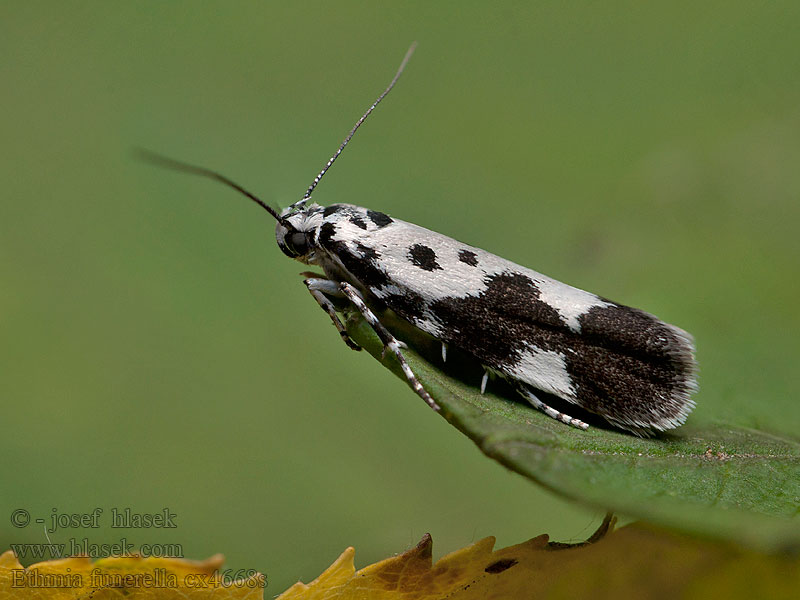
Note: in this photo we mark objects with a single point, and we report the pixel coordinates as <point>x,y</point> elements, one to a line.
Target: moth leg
<point>318,288</point>
<point>389,342</point>
<point>549,411</point>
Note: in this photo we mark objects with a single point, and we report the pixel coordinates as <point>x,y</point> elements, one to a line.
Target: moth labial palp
<point>623,364</point>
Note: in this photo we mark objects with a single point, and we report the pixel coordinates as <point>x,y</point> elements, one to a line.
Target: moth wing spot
<point>468,258</point>
<point>357,221</point>
<point>424,257</point>
<point>379,219</point>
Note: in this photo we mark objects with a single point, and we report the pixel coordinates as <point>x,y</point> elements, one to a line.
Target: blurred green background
<point>159,351</point>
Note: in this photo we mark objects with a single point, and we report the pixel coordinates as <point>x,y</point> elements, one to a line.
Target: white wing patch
<point>568,301</point>
<point>548,369</point>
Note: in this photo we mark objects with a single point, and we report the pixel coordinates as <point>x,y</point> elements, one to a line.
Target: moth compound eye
<point>292,243</point>
<point>298,242</point>
<point>281,235</point>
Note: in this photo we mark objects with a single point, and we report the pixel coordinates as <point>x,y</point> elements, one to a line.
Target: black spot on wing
<point>516,296</point>
<point>349,212</point>
<point>500,565</point>
<point>331,210</point>
<point>356,220</point>
<point>326,233</point>
<point>369,254</point>
<point>380,219</point>
<point>467,257</point>
<point>423,257</point>
<point>362,262</point>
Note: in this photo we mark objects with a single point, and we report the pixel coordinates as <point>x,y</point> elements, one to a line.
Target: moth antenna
<point>176,165</point>
<point>350,135</point>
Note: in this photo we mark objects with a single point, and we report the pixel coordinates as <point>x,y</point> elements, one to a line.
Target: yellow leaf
<point>637,561</point>
<point>129,577</point>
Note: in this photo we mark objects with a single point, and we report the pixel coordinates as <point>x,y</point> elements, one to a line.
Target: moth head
<point>292,242</point>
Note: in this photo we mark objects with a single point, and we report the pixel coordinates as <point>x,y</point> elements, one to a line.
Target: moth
<point>541,335</point>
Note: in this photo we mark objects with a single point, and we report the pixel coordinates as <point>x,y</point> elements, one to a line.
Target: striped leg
<point>318,288</point>
<point>549,411</point>
<point>389,341</point>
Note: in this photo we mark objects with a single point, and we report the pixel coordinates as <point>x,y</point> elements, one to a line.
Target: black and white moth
<point>541,335</point>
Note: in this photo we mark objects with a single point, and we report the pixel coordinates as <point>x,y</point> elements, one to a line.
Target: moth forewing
<point>542,335</point>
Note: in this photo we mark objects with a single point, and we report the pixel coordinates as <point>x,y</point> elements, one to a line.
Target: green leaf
<point>717,480</point>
